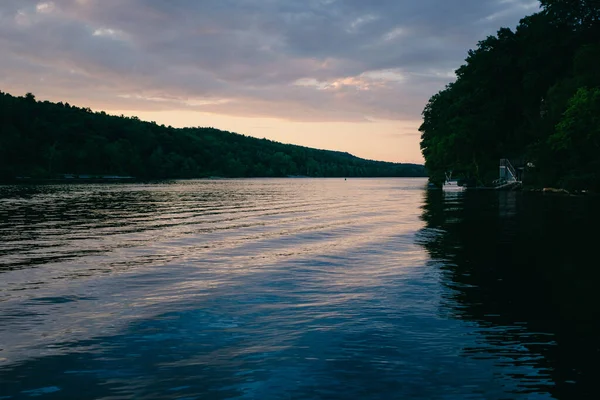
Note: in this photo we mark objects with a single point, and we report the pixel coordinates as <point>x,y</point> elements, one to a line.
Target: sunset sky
<point>348,75</point>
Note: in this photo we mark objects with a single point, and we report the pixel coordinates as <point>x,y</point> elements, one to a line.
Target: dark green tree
<point>509,100</point>
<point>40,139</point>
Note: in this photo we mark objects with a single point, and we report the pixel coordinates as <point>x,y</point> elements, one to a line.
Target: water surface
<point>295,289</point>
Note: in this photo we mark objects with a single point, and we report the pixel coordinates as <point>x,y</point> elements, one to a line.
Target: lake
<point>296,289</point>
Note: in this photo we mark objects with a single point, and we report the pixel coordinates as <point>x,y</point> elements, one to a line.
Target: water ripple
<point>265,288</point>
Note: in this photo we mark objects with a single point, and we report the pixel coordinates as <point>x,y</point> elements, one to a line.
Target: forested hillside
<point>47,140</point>
<point>531,95</point>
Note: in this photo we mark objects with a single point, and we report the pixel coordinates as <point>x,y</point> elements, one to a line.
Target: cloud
<point>313,60</point>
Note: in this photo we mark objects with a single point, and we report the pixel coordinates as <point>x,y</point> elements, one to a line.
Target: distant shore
<point>131,179</point>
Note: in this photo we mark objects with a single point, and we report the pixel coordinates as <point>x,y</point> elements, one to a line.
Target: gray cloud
<point>313,60</point>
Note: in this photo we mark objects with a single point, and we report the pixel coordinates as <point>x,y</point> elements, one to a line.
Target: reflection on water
<point>301,288</point>
<point>522,267</point>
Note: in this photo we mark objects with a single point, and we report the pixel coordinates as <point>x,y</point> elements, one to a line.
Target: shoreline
<point>36,181</point>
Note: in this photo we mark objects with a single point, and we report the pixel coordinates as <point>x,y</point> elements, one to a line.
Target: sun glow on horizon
<point>368,140</point>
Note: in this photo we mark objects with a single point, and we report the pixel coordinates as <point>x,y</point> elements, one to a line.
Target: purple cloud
<point>316,60</point>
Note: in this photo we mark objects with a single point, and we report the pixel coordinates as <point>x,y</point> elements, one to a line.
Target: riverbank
<point>559,191</point>
<point>69,179</point>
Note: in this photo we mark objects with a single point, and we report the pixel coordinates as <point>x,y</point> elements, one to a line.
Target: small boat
<point>452,185</point>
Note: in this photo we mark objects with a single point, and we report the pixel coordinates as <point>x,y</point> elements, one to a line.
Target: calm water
<point>296,289</point>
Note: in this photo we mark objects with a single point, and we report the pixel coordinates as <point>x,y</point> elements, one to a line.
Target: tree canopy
<point>48,140</point>
<point>527,95</point>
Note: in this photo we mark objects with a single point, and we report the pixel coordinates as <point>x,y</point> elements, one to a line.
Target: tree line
<point>48,140</point>
<point>531,95</point>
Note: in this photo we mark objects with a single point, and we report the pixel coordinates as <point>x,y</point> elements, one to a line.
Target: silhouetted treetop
<point>44,140</point>
<point>527,95</point>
